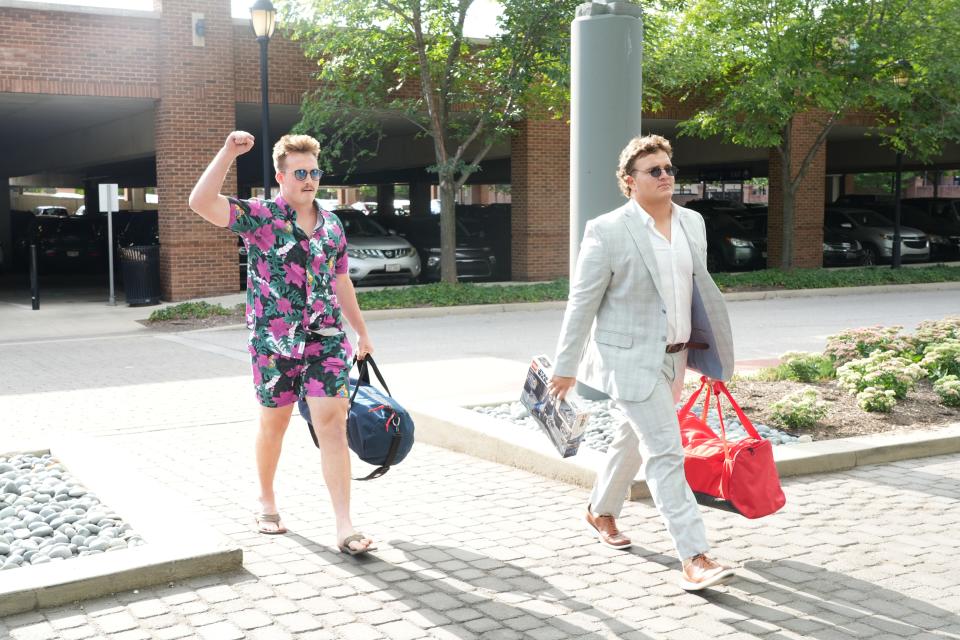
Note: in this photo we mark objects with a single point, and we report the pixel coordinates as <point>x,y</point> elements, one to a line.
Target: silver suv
<point>375,255</point>
<point>875,233</point>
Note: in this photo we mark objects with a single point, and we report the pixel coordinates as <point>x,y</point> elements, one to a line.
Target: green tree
<point>379,60</point>
<point>752,67</point>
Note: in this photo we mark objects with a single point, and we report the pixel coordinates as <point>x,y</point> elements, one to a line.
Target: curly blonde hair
<point>636,148</point>
<point>293,144</point>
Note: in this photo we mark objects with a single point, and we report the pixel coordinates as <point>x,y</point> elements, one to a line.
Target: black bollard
<point>34,280</point>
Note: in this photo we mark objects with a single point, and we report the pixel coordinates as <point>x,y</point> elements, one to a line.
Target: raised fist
<point>238,143</point>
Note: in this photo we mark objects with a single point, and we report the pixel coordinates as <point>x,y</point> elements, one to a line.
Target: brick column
<point>540,200</point>
<point>195,113</point>
<point>808,208</point>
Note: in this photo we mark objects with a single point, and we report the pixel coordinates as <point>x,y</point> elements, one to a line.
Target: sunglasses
<point>301,174</point>
<point>656,172</point>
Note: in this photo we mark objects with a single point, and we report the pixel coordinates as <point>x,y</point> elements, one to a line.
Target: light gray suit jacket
<point>616,293</point>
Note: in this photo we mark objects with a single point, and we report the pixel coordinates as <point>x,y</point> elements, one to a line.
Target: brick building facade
<point>196,93</point>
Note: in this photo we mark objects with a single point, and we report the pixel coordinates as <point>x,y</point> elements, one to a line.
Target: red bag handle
<point>716,389</point>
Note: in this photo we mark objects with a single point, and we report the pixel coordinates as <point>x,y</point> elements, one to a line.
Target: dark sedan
<point>475,259</point>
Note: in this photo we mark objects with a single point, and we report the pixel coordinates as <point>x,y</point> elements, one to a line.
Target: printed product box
<point>563,422</point>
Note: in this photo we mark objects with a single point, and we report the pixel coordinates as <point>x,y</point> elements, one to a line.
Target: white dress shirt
<point>675,265</point>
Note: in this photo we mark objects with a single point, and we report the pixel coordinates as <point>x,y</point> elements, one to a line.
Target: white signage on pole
<point>109,203</point>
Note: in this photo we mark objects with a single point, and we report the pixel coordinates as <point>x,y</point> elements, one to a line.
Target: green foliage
<point>822,278</point>
<point>407,64</point>
<point>942,359</point>
<point>799,410</point>
<point>883,370</point>
<point>189,311</point>
<point>803,367</point>
<point>948,388</point>
<point>442,294</point>
<point>876,399</point>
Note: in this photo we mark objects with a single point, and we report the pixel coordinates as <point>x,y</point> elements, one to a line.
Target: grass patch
<point>441,294</point>
<point>822,278</point>
<point>190,311</point>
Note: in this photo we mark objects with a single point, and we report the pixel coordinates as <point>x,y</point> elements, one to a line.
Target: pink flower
<point>263,268</point>
<point>264,238</point>
<point>265,289</point>
<point>305,245</point>
<point>263,361</point>
<point>284,306</point>
<point>258,308</point>
<point>285,398</point>
<point>257,376</point>
<point>295,274</point>
<point>295,352</point>
<point>293,372</point>
<point>278,328</point>
<point>316,263</point>
<point>313,349</point>
<point>315,388</point>
<point>333,365</point>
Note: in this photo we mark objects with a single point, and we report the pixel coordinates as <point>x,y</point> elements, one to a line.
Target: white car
<point>375,255</point>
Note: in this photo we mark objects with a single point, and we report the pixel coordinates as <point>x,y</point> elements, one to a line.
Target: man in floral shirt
<point>298,292</point>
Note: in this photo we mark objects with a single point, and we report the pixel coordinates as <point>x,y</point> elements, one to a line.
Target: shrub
<point>804,367</point>
<point>942,358</point>
<point>799,410</point>
<point>884,370</point>
<point>859,343</point>
<point>948,388</point>
<point>935,331</point>
<point>189,311</point>
<point>876,400</point>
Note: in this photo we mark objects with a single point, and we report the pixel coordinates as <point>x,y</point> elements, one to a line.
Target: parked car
<point>941,246</point>
<point>939,218</point>
<point>68,245</point>
<point>875,232</point>
<point>375,255</point>
<point>50,210</point>
<point>475,259</point>
<point>735,240</point>
<point>840,248</point>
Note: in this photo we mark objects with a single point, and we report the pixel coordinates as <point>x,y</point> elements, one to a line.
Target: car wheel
<point>870,256</point>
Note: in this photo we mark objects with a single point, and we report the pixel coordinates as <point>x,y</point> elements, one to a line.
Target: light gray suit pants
<point>650,436</point>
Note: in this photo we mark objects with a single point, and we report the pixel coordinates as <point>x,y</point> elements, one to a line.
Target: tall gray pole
<point>605,96</point>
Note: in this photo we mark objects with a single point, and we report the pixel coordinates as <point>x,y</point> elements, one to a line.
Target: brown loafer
<point>605,528</point>
<point>700,572</point>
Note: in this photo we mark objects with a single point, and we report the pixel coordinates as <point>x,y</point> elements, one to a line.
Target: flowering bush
<point>859,343</point>
<point>799,410</point>
<point>884,370</point>
<point>874,399</point>
<point>948,388</point>
<point>804,367</point>
<point>942,359</point>
<point>935,331</point>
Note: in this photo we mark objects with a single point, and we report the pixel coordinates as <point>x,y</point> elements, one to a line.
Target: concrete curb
<point>460,429</point>
<point>172,552</point>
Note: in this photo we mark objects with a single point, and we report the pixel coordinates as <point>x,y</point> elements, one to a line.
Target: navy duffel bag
<point>379,430</point>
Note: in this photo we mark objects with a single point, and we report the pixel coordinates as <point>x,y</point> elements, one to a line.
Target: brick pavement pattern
<point>471,549</point>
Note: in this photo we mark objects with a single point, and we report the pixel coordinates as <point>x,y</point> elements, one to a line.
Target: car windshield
<point>357,224</point>
<point>725,223</point>
<point>865,218</point>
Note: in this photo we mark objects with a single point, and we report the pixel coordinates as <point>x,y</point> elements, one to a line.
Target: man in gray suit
<point>642,307</point>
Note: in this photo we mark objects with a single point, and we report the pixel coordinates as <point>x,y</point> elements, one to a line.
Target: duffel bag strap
<point>719,388</point>
<point>685,411</point>
<point>363,373</point>
<point>394,422</point>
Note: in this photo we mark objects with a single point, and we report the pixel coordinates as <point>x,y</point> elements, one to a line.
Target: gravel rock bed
<point>46,515</point>
<point>605,418</point>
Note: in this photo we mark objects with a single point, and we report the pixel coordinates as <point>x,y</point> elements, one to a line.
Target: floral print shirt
<point>291,278</point>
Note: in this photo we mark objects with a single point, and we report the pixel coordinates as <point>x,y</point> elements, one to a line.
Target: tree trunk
<point>789,206</point>
<point>448,229</point>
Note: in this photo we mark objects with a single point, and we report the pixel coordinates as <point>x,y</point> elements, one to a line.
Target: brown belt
<point>680,346</point>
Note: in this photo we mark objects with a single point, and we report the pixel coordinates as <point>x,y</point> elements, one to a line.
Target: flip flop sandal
<point>356,537</point>
<point>272,518</point>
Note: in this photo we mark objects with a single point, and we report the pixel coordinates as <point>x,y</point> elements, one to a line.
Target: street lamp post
<point>901,78</point>
<point>263,21</point>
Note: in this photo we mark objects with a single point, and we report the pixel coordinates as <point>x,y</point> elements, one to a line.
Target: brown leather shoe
<point>700,572</point>
<point>605,528</point>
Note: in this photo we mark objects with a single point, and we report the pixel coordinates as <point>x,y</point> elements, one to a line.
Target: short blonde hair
<point>293,144</point>
<point>637,148</point>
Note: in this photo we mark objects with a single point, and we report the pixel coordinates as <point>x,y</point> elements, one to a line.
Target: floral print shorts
<point>322,372</point>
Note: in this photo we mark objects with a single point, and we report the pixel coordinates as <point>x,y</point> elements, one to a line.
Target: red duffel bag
<point>738,476</point>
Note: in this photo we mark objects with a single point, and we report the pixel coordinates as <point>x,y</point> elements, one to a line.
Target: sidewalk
<point>468,548</point>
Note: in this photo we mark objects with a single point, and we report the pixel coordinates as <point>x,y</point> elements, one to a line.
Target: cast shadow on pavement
<point>832,604</point>
<point>508,592</point>
<point>921,481</point>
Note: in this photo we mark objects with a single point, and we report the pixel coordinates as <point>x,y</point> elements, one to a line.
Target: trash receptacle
<point>141,273</point>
